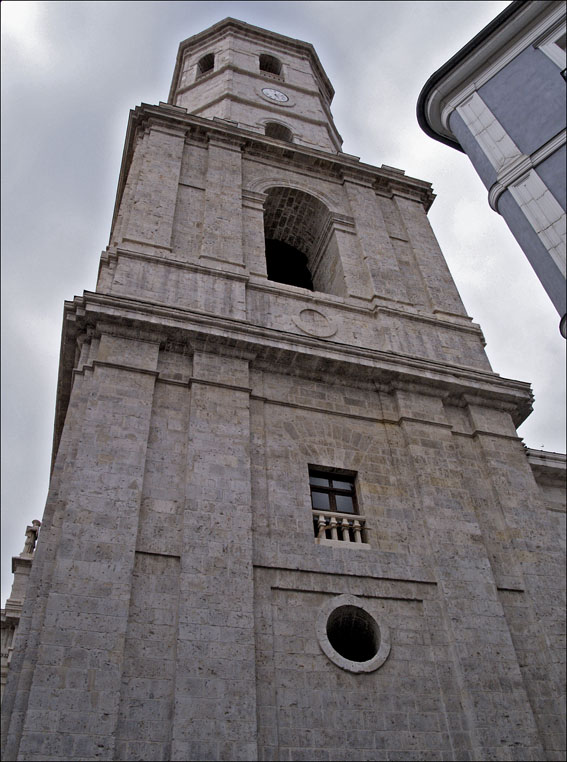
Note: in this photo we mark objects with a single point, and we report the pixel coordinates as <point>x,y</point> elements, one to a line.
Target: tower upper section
<point>260,80</point>
<point>288,252</point>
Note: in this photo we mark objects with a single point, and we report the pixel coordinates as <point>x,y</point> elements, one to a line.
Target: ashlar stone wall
<point>174,596</point>
<point>178,600</point>
<point>207,252</point>
<point>233,89</point>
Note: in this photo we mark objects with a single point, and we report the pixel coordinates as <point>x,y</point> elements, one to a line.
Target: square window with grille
<point>336,517</point>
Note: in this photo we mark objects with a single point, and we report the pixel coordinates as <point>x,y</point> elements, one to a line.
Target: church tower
<point>289,514</point>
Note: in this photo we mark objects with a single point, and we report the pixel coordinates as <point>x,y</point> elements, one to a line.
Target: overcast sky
<point>72,71</point>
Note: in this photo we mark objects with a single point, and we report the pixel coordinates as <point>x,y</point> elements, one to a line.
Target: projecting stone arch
<point>262,184</point>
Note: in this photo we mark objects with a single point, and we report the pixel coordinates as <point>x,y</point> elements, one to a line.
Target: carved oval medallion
<point>315,323</point>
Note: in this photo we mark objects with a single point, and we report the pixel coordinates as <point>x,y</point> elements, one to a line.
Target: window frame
<point>332,526</point>
<point>332,492</point>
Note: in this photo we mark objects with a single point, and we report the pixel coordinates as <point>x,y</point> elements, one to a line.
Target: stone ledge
<point>302,355</point>
<point>342,574</point>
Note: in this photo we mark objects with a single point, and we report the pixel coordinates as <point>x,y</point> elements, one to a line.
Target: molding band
<point>522,166</point>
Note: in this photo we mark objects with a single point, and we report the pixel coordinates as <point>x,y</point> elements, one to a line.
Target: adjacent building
<point>501,100</point>
<point>10,615</point>
<point>289,514</point>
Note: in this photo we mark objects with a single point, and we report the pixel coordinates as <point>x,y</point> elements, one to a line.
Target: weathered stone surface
<point>172,602</point>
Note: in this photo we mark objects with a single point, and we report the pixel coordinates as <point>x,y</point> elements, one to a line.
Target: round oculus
<point>275,95</point>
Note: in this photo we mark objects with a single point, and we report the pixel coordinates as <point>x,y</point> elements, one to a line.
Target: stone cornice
<point>376,305</point>
<point>385,180</point>
<point>550,467</point>
<point>227,141</point>
<point>268,107</point>
<point>309,357</point>
<point>168,319</point>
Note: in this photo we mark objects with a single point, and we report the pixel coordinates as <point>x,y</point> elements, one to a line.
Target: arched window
<point>278,131</point>
<point>206,64</point>
<point>270,64</point>
<point>301,248</point>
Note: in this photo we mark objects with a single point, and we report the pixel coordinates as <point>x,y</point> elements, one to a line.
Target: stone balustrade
<point>341,527</point>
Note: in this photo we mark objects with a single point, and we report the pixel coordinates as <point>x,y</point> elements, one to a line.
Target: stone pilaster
<point>347,257</point>
<point>377,250</point>
<point>215,704</point>
<point>222,225</point>
<point>151,210</point>
<point>440,286</point>
<point>253,232</point>
<point>73,697</point>
<point>479,650</point>
<point>533,552</point>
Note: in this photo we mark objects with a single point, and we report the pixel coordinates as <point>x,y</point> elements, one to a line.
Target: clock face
<point>275,95</point>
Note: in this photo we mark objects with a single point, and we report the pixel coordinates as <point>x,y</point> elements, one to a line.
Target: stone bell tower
<point>289,514</point>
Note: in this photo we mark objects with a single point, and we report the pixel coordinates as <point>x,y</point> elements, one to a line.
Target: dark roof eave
<point>464,52</point>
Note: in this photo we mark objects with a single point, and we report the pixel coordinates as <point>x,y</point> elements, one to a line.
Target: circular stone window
<point>350,636</point>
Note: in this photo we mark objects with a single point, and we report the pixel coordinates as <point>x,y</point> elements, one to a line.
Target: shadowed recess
<point>353,633</point>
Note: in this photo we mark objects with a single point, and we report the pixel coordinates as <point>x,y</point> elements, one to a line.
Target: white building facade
<point>501,100</point>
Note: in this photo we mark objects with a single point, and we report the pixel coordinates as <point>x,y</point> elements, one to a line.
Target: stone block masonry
<point>180,605</point>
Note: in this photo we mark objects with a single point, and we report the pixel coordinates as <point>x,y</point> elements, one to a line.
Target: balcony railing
<point>339,527</point>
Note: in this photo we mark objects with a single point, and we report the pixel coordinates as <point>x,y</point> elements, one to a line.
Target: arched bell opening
<point>270,64</point>
<point>301,246</point>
